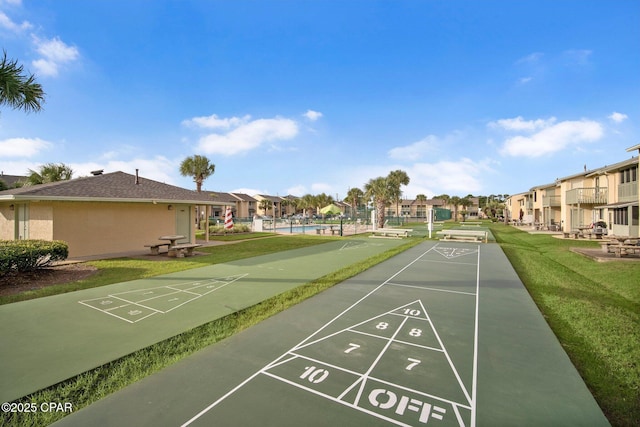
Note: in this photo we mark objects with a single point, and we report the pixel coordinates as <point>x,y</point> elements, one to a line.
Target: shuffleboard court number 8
<point>415,332</point>
<point>382,325</point>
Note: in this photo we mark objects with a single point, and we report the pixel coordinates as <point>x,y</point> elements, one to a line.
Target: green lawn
<point>594,310</point>
<point>124,269</point>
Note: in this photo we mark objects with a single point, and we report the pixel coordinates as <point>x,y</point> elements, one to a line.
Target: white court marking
<point>392,333</point>
<point>134,306</point>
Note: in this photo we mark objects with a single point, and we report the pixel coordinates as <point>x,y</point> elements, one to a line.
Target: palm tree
<point>465,202</point>
<point>354,195</point>
<point>380,190</point>
<point>18,90</point>
<point>323,200</point>
<point>50,172</point>
<point>199,167</point>
<point>308,201</point>
<point>265,205</point>
<point>396,179</point>
<point>422,200</point>
<point>455,201</point>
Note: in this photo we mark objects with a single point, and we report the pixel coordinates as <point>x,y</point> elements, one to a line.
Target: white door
<point>183,222</point>
<point>22,222</point>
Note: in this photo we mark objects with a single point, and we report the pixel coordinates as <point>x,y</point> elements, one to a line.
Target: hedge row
<point>237,228</point>
<point>26,255</point>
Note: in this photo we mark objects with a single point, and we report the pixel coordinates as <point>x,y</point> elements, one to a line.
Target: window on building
<point>629,175</point>
<point>620,216</point>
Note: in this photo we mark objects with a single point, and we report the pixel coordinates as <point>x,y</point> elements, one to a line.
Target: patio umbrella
<point>228,219</point>
<point>330,209</point>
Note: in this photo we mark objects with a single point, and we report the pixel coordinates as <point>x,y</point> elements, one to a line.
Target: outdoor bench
<point>618,249</point>
<point>155,248</point>
<point>391,232</point>
<point>574,233</point>
<point>182,250</point>
<point>464,234</point>
<point>621,250</point>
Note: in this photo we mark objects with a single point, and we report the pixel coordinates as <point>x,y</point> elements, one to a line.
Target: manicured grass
<point>124,269</point>
<point>96,384</point>
<point>594,310</point>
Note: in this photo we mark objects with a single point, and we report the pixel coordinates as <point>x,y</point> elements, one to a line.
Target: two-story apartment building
<point>608,193</point>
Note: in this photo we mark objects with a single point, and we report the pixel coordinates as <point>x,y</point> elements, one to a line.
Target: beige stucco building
<point>609,193</point>
<point>101,214</point>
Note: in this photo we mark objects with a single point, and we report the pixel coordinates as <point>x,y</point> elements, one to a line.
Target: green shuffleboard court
<point>48,340</point>
<point>444,334</point>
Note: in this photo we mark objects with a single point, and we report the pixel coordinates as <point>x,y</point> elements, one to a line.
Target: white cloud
<point>618,117</point>
<point>459,177</point>
<point>552,138</point>
<point>519,124</point>
<point>6,22</point>
<point>23,147</point>
<point>414,151</point>
<point>312,115</point>
<point>577,56</point>
<point>54,53</point>
<point>245,134</point>
<point>531,58</point>
<point>298,190</point>
<point>214,122</point>
<point>321,187</point>
<point>524,80</point>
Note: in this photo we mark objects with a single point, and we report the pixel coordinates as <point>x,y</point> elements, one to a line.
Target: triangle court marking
<point>450,253</point>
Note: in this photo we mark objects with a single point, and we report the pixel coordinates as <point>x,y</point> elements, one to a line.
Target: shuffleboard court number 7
<point>414,362</point>
<point>352,347</point>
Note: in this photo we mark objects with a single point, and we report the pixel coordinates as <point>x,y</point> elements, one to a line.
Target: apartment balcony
<point>551,201</point>
<point>587,196</point>
<point>628,192</point>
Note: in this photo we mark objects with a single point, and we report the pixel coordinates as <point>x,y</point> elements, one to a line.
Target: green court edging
<point>48,340</point>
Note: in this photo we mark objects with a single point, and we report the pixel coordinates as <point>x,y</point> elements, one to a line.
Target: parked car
<point>600,227</point>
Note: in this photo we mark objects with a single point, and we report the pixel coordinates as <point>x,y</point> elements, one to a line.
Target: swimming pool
<point>299,229</point>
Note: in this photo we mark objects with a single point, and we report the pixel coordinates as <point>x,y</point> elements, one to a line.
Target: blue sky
<point>296,97</point>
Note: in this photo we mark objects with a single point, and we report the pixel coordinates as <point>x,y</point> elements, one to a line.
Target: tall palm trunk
<point>380,205</point>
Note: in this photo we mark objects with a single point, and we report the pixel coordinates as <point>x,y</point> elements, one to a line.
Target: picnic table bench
<point>391,232</point>
<point>474,235</point>
<point>471,224</point>
<point>155,248</point>
<point>620,247</point>
<point>332,229</point>
<point>182,250</point>
<point>574,233</point>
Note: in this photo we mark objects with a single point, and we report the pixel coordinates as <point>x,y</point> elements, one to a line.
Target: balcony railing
<point>551,201</point>
<point>588,195</point>
<point>628,192</point>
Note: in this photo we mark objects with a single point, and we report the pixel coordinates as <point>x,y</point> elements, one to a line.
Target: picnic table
<point>173,238</point>
<point>179,250</point>
<point>620,246</point>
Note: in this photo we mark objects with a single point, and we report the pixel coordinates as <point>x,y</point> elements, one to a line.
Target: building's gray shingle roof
<point>116,186</point>
<point>10,180</point>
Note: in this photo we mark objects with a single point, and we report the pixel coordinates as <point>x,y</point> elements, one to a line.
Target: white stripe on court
<point>360,383</point>
<point>263,370</point>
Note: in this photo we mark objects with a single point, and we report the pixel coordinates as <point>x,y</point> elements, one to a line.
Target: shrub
<point>26,255</point>
<point>237,228</point>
